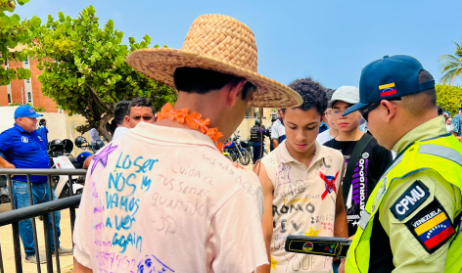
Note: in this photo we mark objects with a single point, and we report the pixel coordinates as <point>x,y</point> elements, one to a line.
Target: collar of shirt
<point>432,128</point>
<point>285,156</point>
<point>20,129</point>
<point>172,135</point>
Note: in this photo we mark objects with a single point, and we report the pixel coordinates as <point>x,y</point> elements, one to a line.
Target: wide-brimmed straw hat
<point>219,43</point>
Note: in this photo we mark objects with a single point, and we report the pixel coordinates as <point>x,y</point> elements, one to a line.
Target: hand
<point>9,166</point>
<point>341,268</point>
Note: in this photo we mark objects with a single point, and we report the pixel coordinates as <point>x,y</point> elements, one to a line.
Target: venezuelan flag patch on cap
<point>432,226</point>
<point>387,90</point>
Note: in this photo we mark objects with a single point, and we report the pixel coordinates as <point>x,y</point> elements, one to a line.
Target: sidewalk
<point>6,237</point>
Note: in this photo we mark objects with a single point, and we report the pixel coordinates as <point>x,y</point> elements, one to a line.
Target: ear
<point>233,91</point>
<point>390,108</point>
<point>127,119</point>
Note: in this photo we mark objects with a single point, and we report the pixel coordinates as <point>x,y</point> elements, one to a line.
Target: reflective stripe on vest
<point>442,154</point>
<point>441,151</point>
<point>364,219</point>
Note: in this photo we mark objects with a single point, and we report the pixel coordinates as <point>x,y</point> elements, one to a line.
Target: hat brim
<point>355,108</point>
<point>160,63</point>
<point>36,116</point>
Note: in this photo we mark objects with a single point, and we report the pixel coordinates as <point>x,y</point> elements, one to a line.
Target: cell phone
<point>324,246</point>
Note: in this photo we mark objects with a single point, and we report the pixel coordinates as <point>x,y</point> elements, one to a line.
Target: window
<point>27,80</point>
<point>29,97</point>
<point>27,60</point>
<point>6,63</point>
<point>9,98</point>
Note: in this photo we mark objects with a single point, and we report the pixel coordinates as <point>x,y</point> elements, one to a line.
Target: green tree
<point>37,109</point>
<point>452,66</point>
<point>12,33</point>
<point>85,72</point>
<point>449,97</point>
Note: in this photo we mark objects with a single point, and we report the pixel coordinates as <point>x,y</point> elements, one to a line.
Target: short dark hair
<point>312,93</point>
<point>418,104</point>
<point>120,111</point>
<point>141,102</point>
<point>330,92</point>
<point>202,81</point>
<point>42,120</point>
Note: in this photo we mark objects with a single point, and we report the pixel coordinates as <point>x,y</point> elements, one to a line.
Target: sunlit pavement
<point>6,238</point>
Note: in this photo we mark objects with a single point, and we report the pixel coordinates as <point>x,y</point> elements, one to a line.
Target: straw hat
<point>219,43</point>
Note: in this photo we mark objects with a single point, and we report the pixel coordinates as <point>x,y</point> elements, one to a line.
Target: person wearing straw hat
<point>163,197</point>
<point>411,221</point>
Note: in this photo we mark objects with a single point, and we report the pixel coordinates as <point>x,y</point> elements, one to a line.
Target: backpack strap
<point>357,151</point>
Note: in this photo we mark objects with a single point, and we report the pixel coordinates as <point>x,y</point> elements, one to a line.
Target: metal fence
<point>14,216</point>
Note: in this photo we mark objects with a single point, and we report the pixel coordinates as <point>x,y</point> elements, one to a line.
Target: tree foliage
<point>452,66</point>
<point>449,97</point>
<point>84,68</point>
<point>37,109</point>
<point>12,33</point>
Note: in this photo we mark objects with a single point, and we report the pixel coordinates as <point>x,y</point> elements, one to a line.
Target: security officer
<point>411,220</point>
<point>24,148</point>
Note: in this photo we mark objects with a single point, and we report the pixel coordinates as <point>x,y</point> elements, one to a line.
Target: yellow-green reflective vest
<point>442,154</point>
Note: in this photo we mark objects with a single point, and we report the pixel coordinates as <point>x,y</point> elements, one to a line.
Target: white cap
<point>348,94</point>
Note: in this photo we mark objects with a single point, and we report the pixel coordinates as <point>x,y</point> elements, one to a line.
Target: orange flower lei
<point>193,120</point>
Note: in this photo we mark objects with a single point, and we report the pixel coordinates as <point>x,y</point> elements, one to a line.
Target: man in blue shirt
<point>24,148</point>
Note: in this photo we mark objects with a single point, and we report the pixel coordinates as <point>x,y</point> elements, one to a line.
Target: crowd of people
<point>378,164</point>
<point>375,164</point>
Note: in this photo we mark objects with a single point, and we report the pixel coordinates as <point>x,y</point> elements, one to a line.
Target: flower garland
<point>193,120</point>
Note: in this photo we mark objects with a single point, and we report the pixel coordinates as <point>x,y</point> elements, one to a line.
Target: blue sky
<point>328,40</point>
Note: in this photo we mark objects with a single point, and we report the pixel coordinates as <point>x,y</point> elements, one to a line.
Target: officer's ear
<point>390,109</point>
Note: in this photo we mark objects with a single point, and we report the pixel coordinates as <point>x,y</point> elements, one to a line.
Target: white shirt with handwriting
<point>163,199</point>
<point>304,202</point>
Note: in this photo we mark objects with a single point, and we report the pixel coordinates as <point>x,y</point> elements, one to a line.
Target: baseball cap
<point>389,78</point>
<point>25,111</point>
<point>348,94</point>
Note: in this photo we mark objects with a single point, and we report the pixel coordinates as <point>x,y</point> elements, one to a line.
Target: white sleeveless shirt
<point>304,202</point>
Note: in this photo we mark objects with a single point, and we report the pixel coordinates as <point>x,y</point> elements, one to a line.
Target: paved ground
<point>7,245</point>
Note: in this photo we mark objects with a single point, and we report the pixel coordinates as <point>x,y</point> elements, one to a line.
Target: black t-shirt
<point>372,163</point>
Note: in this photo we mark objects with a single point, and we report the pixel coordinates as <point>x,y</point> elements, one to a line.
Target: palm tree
<point>452,66</point>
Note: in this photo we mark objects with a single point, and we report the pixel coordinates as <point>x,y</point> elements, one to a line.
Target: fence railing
<point>14,216</point>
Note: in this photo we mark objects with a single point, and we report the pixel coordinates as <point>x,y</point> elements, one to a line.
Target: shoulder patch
<point>432,226</point>
<point>411,199</point>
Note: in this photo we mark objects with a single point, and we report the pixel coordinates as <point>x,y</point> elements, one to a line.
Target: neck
<point>305,157</point>
<point>333,132</point>
<point>24,128</point>
<point>200,104</point>
<point>408,123</point>
<point>353,135</point>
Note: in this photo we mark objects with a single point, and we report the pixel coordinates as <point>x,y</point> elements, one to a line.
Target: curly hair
<point>313,94</point>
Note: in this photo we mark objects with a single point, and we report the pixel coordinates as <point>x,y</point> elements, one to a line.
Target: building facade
<point>26,91</point>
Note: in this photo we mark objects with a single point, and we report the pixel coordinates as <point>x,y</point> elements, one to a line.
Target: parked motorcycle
<point>4,191</point>
<point>60,154</point>
<point>236,151</point>
<point>83,144</point>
